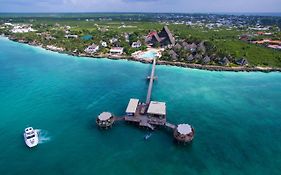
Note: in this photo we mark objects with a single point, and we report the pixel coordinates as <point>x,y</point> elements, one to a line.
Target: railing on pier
<point>149,91</point>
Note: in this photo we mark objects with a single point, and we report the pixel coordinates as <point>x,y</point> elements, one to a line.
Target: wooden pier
<point>151,80</point>
<point>150,114</point>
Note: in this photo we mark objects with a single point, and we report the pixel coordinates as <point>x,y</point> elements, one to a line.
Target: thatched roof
<point>156,37</point>
<point>242,62</point>
<point>165,31</point>
<point>178,46</point>
<point>190,58</point>
<point>198,57</point>
<point>206,60</point>
<point>173,54</point>
<point>193,46</point>
<point>224,61</point>
<point>184,44</point>
<point>201,47</point>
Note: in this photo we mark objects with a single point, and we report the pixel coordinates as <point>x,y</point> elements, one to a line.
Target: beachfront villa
<point>164,38</point>
<point>54,48</point>
<point>92,48</point>
<point>116,51</point>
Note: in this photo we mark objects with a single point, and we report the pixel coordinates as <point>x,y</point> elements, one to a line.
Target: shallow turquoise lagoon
<point>237,117</point>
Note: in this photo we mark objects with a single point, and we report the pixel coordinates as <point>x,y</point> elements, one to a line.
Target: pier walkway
<point>151,80</point>
<point>150,115</point>
<point>170,125</point>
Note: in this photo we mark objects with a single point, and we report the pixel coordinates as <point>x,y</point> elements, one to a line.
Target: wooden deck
<point>170,125</point>
<point>118,118</point>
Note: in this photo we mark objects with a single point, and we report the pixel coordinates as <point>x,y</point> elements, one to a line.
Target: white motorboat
<point>30,137</point>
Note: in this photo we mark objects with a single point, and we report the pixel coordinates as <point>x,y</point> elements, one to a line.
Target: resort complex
<point>206,42</point>
<point>150,114</point>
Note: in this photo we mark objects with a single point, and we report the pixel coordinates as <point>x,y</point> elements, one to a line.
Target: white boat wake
<point>44,136</point>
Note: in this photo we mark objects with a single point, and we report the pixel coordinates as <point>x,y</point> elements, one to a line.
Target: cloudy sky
<point>187,6</point>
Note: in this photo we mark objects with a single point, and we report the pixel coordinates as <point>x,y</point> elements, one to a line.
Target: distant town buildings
<point>21,28</point>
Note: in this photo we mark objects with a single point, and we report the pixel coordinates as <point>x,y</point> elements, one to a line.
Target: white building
<point>103,44</point>
<point>157,109</point>
<point>71,36</point>
<point>92,49</point>
<point>132,107</point>
<point>136,44</point>
<point>22,28</point>
<point>116,51</point>
<point>127,36</point>
<point>54,48</point>
<point>8,24</point>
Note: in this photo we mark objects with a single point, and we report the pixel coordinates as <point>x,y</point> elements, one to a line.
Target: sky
<point>186,6</point>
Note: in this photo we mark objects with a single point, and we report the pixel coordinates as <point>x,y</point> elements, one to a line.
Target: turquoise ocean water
<point>237,117</point>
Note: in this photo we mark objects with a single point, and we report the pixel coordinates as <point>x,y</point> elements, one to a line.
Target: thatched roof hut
<point>190,58</point>
<point>178,46</point>
<point>164,37</point>
<point>167,35</point>
<point>173,54</point>
<point>224,61</point>
<point>198,57</point>
<point>206,60</point>
<point>184,133</point>
<point>242,62</point>
<point>201,47</point>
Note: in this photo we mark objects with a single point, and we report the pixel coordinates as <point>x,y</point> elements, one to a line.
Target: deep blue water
<point>237,117</point>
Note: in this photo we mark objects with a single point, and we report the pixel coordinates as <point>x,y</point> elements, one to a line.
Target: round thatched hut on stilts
<point>184,133</point>
<point>105,120</point>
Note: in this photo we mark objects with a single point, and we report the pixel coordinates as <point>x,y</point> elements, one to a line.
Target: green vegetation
<point>220,41</point>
